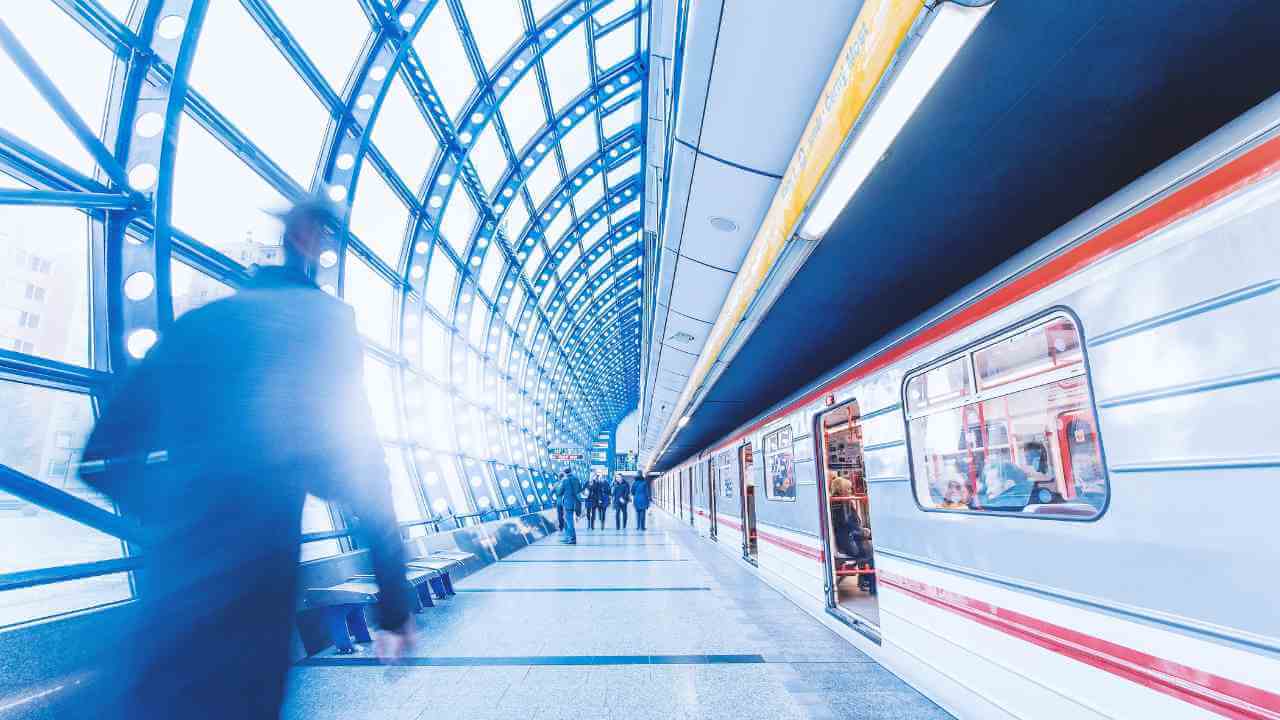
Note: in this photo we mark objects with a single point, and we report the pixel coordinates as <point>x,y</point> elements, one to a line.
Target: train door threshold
<point>855,623</point>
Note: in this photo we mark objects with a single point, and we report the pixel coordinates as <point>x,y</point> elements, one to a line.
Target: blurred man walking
<point>258,401</point>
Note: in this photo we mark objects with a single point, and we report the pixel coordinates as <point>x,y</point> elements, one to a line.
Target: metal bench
<point>343,604</point>
<point>442,561</point>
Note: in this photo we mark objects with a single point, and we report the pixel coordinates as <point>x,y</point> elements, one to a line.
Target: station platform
<point>623,625</point>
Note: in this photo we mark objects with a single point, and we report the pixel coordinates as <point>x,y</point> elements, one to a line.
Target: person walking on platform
<point>597,501</point>
<point>257,401</point>
<point>640,496</point>
<point>567,500</point>
<point>621,495</point>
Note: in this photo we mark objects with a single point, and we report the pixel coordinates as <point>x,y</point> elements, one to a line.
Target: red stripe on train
<point>795,547</point>
<point>1239,173</point>
<point>1205,690</point>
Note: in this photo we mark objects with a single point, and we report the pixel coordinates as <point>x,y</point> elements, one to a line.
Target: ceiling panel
<point>699,290</point>
<point>769,68</point>
<point>728,193</point>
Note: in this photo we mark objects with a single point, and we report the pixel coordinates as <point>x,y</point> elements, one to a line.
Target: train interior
<point>750,540</point>
<point>848,516</point>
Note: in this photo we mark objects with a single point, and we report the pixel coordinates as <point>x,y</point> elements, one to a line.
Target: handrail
<point>63,573</point>
<point>69,506</point>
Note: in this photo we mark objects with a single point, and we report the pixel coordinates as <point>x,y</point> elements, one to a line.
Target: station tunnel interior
<point>511,202</point>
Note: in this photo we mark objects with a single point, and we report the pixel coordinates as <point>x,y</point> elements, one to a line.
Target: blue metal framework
<point>491,357</point>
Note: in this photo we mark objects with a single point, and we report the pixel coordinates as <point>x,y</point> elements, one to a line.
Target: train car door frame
<point>693,509</point>
<point>750,552</point>
<point>712,502</point>
<point>859,624</point>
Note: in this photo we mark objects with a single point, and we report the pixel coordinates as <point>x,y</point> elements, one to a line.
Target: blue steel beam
<point>65,198</point>
<point>28,66</point>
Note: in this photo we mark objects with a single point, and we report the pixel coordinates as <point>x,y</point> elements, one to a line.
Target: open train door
<point>712,502</point>
<point>846,519</point>
<point>747,491</point>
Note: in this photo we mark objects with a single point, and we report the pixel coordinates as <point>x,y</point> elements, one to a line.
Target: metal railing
<point>86,513</point>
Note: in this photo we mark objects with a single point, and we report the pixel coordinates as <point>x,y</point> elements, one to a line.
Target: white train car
<point>1052,496</point>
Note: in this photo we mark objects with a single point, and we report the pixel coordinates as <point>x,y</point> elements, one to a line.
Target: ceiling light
<point>723,224</point>
<point>947,32</point>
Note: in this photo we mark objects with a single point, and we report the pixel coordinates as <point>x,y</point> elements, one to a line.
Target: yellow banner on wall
<point>876,35</point>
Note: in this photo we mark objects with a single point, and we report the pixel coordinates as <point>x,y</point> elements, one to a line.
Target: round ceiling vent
<point>723,224</point>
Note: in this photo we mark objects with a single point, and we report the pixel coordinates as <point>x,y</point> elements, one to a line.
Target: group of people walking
<point>574,498</point>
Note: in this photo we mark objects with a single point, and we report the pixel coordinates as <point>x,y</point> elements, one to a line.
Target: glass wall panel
<point>543,180</point>
<point>403,495</point>
<point>379,217</point>
<point>331,39</point>
<point>580,143</point>
<point>458,502</point>
<point>44,283</point>
<point>78,64</point>
<point>440,282</point>
<point>522,111</point>
<point>220,201</point>
<point>317,518</point>
<point>621,119</point>
<point>379,383</point>
<point>372,298</point>
<point>439,413</point>
<point>248,80</point>
<point>516,219</point>
<point>191,288</point>
<point>42,433</point>
<point>448,68</point>
<point>488,158</point>
<point>617,45</point>
<point>494,264</point>
<point>496,26</point>
<point>435,347</point>
<point>459,220</point>
<point>402,134</point>
<point>568,72</point>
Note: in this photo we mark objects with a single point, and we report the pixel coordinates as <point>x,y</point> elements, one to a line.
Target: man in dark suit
<point>567,500</point>
<point>258,401</point>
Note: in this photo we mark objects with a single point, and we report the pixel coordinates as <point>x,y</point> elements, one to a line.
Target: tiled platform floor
<point>624,625</point>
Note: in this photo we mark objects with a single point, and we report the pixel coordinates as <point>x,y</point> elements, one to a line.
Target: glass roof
<point>488,153</point>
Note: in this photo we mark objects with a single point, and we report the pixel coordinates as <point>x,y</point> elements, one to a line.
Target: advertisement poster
<point>727,480</point>
<point>780,481</point>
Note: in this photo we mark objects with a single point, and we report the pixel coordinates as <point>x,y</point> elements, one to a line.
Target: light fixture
<point>683,421</point>
<point>947,32</point>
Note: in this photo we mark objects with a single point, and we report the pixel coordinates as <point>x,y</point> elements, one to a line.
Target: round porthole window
<point>139,286</point>
<point>140,341</point>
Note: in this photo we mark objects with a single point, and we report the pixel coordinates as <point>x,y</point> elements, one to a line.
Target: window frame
<point>977,396</point>
<point>766,455</point>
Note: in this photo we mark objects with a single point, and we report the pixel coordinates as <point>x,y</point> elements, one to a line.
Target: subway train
<point>1053,494</point>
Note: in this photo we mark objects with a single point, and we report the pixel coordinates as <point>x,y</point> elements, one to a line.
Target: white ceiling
<point>751,74</point>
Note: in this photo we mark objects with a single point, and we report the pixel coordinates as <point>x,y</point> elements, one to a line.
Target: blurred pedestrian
<point>567,500</point>
<point>258,401</point>
<point>597,501</point>
<point>621,495</point>
<point>640,494</point>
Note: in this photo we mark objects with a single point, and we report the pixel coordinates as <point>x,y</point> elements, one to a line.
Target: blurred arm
<point>360,477</point>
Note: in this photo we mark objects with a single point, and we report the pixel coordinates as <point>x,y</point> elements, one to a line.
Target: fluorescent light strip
<point>946,34</point>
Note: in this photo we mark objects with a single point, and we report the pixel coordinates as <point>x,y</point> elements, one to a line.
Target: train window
<point>781,483</point>
<point>1047,347</point>
<point>1025,441</point>
<point>943,385</point>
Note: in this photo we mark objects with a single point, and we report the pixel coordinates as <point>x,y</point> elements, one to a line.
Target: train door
<point>851,578</point>
<point>693,512</point>
<point>709,472</point>
<point>747,486</point>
